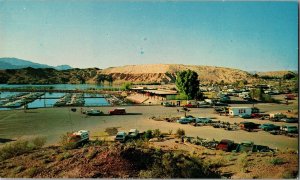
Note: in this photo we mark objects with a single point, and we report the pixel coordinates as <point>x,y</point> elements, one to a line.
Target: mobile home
<point>236,111</point>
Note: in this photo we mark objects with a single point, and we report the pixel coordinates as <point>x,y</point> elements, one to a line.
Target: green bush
<point>277,161</point>
<point>156,133</point>
<point>148,134</point>
<point>180,132</point>
<point>92,154</point>
<point>14,149</point>
<point>30,172</point>
<point>39,141</point>
<point>63,156</point>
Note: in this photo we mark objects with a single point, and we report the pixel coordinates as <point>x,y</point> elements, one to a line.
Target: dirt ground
<point>53,122</point>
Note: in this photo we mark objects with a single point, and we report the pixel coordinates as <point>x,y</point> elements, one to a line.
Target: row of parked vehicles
<point>230,146</point>
<point>94,112</point>
<point>122,136</point>
<point>245,125</point>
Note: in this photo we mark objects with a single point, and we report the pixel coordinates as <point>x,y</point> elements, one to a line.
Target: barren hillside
<point>274,73</point>
<point>166,73</point>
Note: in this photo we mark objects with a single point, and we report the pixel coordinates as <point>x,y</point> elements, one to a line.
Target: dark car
<point>269,127</point>
<point>290,120</point>
<point>248,125</point>
<point>245,146</point>
<point>225,145</point>
<point>117,111</point>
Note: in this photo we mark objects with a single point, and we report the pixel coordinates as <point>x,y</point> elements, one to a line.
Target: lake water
<point>90,100</point>
<point>58,86</point>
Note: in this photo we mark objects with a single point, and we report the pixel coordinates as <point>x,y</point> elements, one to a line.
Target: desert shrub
<point>180,132</point>
<point>39,142</point>
<point>64,142</point>
<point>63,156</point>
<point>170,132</point>
<point>111,131</point>
<point>156,133</point>
<point>176,165</point>
<point>92,154</point>
<point>242,160</point>
<point>13,149</point>
<point>217,162</point>
<point>290,174</point>
<point>277,161</point>
<point>19,169</point>
<point>30,172</point>
<point>148,134</point>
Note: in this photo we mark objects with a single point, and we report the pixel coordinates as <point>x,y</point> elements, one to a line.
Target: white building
<point>236,111</point>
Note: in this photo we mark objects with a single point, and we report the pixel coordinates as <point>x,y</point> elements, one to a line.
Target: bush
<point>30,172</point>
<point>63,156</point>
<point>156,133</point>
<point>19,169</point>
<point>39,141</point>
<point>111,131</point>
<point>92,154</point>
<point>177,165</point>
<point>15,148</point>
<point>277,161</point>
<point>180,132</point>
<point>64,142</point>
<point>148,134</point>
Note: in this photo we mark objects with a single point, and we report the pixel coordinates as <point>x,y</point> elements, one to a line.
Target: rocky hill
<point>167,72</point>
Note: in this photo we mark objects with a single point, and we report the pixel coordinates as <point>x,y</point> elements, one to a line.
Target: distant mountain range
<point>17,71</point>
<point>15,63</point>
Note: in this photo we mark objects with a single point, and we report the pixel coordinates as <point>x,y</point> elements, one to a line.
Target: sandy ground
<point>53,122</point>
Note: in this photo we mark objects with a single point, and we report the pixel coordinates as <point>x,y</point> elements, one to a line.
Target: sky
<point>252,36</point>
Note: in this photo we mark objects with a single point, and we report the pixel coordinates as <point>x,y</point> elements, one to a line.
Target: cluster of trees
<point>287,76</point>
<point>101,78</point>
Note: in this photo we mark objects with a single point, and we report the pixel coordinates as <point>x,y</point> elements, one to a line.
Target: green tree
<point>187,82</point>
<point>100,78</point>
<point>289,76</point>
<point>110,80</point>
<point>126,86</point>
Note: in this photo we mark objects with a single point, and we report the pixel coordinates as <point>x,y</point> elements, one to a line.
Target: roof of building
<point>161,92</point>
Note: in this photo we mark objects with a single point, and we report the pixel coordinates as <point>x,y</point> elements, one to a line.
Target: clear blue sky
<point>251,36</point>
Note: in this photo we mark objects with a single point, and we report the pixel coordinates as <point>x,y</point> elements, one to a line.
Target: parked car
<point>190,105</point>
<point>79,136</point>
<point>203,120</point>
<point>94,112</point>
<point>121,136</point>
<point>289,129</point>
<point>185,120</point>
<point>245,116</point>
<point>225,145</point>
<point>133,133</point>
<point>168,104</point>
<point>289,97</point>
<point>248,125</point>
<point>269,127</point>
<point>220,104</point>
<point>290,120</point>
<point>117,111</point>
<point>245,146</point>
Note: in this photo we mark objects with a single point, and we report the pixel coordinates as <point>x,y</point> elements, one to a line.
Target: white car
<point>121,136</point>
<point>133,133</point>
